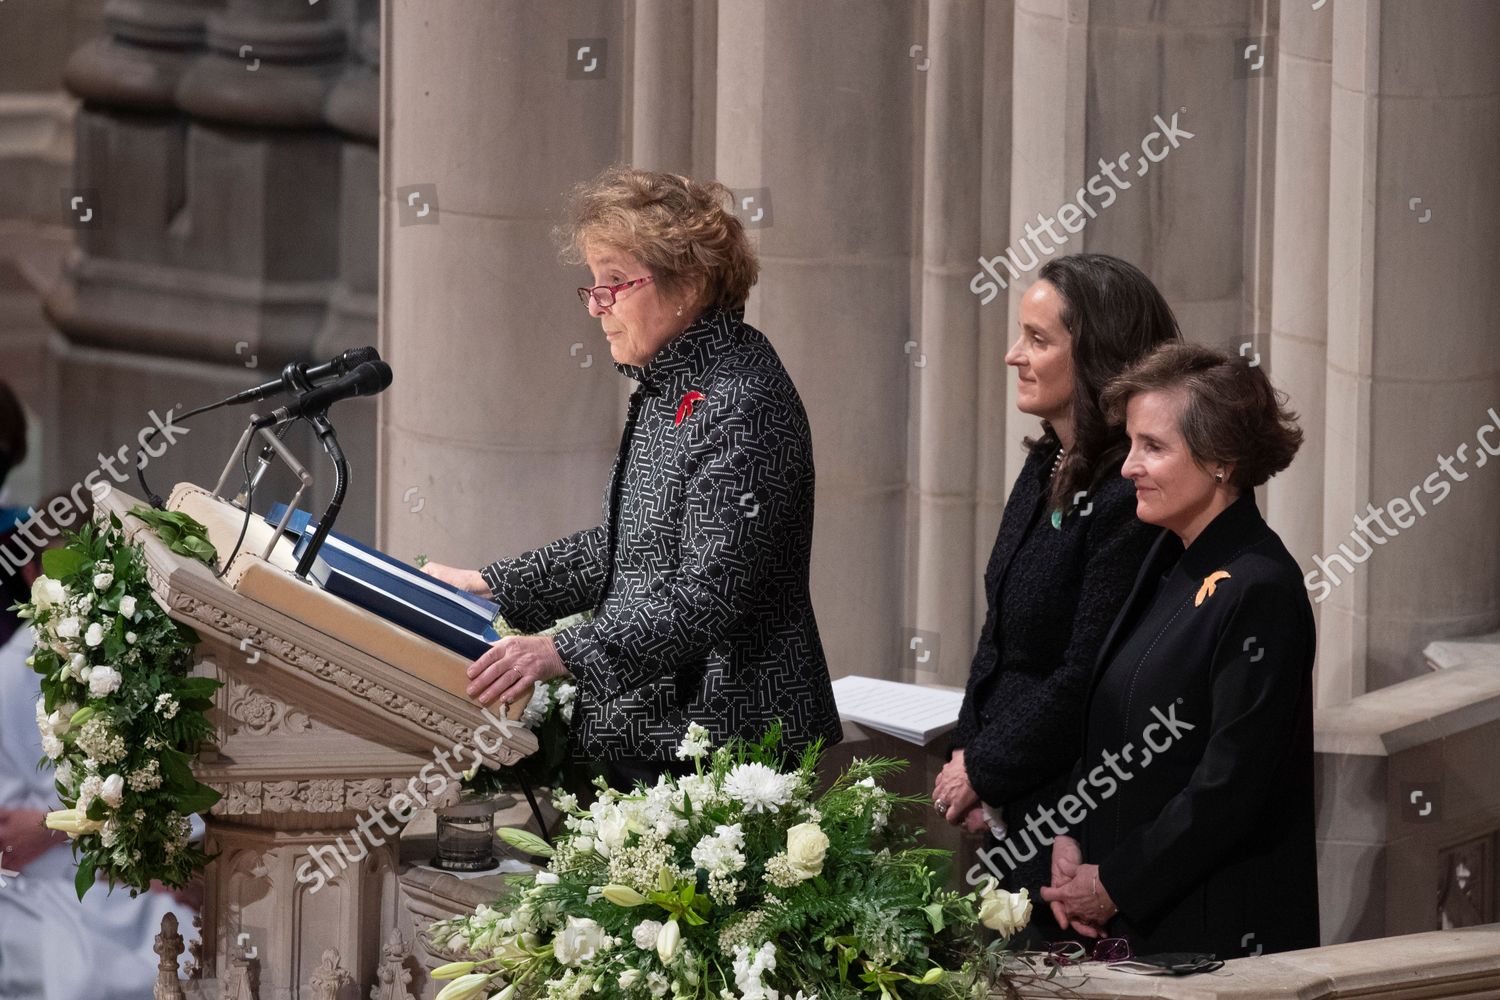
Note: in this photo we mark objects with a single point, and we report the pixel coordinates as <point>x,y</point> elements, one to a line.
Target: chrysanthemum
<point>759,788</point>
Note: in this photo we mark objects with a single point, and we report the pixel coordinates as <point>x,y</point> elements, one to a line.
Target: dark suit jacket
<point>1052,594</point>
<point>1208,845</point>
<point>698,575</point>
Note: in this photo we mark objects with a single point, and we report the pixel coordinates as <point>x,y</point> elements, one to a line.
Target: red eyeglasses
<point>604,295</point>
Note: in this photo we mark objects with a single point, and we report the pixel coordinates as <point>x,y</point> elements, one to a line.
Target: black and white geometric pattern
<point>698,577</point>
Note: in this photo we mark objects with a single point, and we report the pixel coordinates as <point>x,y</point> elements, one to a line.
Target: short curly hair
<point>1232,415</point>
<point>680,229</point>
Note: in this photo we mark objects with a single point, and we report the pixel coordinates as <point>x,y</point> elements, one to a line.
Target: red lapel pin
<point>685,408</point>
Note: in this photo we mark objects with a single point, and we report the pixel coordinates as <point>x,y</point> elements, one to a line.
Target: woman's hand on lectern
<point>463,579</point>
<point>511,666</point>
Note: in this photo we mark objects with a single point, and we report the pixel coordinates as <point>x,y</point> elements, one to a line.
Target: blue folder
<point>398,592</point>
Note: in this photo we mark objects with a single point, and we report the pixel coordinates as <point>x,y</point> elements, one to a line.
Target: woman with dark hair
<point>1067,550</point>
<point>1202,699</point>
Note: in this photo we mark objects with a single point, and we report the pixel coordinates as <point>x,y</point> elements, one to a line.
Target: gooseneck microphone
<point>367,379</point>
<point>296,373</point>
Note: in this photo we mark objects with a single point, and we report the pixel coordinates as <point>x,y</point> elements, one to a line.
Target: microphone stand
<point>294,376</point>
<point>330,442</point>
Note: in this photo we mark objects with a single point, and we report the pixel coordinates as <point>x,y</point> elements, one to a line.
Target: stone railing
<point>1457,964</point>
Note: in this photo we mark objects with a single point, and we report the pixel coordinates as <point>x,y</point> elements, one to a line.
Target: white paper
<point>908,712</point>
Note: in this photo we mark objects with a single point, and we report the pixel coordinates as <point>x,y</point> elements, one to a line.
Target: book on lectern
<point>396,591</point>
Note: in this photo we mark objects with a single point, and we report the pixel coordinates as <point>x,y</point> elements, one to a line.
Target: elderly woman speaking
<point>698,575</point>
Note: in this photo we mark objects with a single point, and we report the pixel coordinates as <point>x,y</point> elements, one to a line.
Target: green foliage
<point>120,717</point>
<point>181,533</point>
<point>733,881</point>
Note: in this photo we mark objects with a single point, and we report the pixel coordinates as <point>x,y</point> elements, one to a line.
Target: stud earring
<point>679,310</point>
<point>1218,477</point>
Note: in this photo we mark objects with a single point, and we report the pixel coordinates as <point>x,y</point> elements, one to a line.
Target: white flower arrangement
<point>119,717</point>
<point>732,883</point>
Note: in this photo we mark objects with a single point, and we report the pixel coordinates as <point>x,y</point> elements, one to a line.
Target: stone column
<point>208,193</point>
<point>663,103</point>
<point>945,350</point>
<point>992,414</point>
<point>353,108</point>
<point>1047,158</point>
<point>1413,352</point>
<point>498,432</point>
<point>835,283</point>
<point>1300,276</point>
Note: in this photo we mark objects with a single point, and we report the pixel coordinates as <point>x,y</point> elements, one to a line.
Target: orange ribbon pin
<point>1209,583</point>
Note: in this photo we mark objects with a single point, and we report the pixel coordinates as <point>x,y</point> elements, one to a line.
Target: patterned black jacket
<point>698,577</point>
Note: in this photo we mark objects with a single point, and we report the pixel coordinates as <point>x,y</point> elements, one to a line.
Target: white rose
<point>46,592</point>
<point>103,580</point>
<point>547,878</point>
<point>103,680</point>
<point>113,791</point>
<point>127,606</point>
<point>1006,912</point>
<point>614,827</point>
<point>94,636</point>
<point>645,934</point>
<point>68,628</point>
<point>57,723</point>
<point>806,847</point>
<point>579,941</point>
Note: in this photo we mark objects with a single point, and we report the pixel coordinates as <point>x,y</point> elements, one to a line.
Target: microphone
<point>369,378</point>
<point>341,365</point>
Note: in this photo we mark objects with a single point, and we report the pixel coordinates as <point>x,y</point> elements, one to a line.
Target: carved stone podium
<point>331,723</point>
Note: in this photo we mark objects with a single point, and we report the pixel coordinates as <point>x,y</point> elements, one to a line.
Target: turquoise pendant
<point>1057,519</point>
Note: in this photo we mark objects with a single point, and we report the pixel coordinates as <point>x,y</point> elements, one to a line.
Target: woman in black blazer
<point>1194,797</point>
<point>1067,550</point>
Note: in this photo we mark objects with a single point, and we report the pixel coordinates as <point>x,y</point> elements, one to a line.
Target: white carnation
<point>104,680</point>
<point>719,853</point>
<point>52,746</point>
<point>645,934</point>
